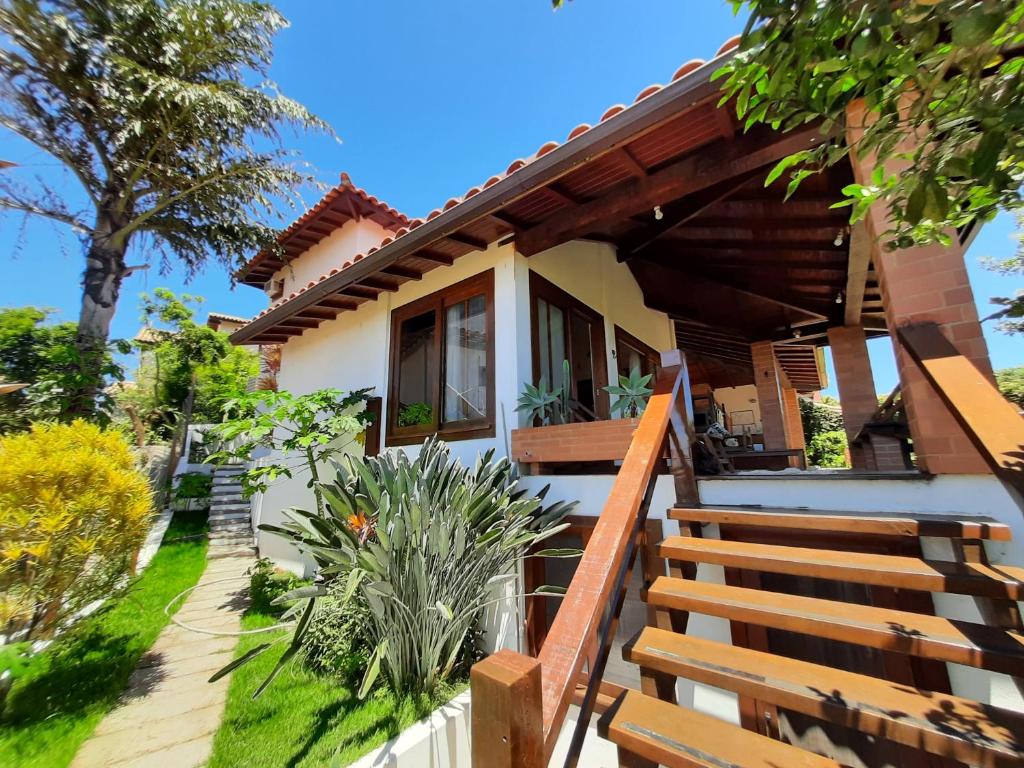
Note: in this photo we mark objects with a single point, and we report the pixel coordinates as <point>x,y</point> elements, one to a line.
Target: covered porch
<point>758,285</point>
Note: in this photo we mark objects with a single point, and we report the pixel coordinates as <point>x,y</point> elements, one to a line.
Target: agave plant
<point>631,394</point>
<point>445,538</point>
<point>550,407</point>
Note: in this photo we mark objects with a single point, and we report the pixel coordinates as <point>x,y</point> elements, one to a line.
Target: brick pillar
<point>769,395</point>
<point>925,284</point>
<point>856,386</point>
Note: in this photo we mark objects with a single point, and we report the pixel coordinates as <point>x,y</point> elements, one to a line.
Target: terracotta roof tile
<point>515,165</point>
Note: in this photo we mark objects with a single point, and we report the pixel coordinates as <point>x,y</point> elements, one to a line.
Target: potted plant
<point>632,394</point>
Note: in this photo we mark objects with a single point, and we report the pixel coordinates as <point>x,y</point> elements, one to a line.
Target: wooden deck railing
<point>993,424</point>
<point>508,728</point>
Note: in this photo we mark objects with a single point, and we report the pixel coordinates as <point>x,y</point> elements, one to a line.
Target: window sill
<point>449,436</point>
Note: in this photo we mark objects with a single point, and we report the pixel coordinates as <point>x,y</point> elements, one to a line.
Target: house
<point>649,240</point>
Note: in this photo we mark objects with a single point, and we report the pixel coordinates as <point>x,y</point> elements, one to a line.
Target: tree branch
<point>63,218</point>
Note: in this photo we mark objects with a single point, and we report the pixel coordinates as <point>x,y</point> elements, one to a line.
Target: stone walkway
<point>169,713</point>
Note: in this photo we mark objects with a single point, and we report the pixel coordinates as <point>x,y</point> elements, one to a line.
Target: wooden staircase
<point>649,729</point>
<point>837,656</point>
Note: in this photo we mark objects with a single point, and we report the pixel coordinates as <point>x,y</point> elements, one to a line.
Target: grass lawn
<point>304,719</point>
<point>60,695</point>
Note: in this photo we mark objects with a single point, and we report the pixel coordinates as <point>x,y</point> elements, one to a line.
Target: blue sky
<point>429,99</point>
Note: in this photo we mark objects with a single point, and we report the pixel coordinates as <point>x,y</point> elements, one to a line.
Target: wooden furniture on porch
<point>774,459</point>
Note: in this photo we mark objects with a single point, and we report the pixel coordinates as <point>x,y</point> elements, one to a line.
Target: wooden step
<point>945,725</point>
<point>887,523</point>
<point>682,738</point>
<point>962,642</point>
<point>993,581</point>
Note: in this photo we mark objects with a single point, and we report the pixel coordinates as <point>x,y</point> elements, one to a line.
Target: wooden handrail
<point>584,626</point>
<point>588,611</point>
<point>992,423</point>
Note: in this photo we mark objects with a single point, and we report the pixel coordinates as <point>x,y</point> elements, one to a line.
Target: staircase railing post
<point>507,720</point>
<point>682,434</point>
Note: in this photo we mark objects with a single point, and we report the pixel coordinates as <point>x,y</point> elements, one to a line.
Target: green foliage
<point>414,414</point>
<point>547,406</point>
<point>828,449</point>
<point>307,719</point>
<point>824,416</point>
<point>74,510</point>
<point>192,486</point>
<point>446,537</point>
<point>219,383</point>
<point>948,72</point>
<point>337,641</point>
<point>310,427</point>
<point>61,694</point>
<point>1011,316</point>
<point>267,583</point>
<point>1011,383</point>
<point>43,356</point>
<point>632,394</point>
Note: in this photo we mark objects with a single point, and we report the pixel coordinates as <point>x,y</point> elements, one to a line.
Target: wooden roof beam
<point>360,291</point>
<point>337,302</point>
<point>396,271</point>
<point>857,273</point>
<point>379,284</point>
<point>681,211</point>
<point>692,174</point>
<point>627,159</point>
<point>476,243</point>
<point>316,313</point>
<point>436,256</point>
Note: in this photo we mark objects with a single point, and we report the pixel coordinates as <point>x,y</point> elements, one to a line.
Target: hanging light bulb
<point>839,298</point>
<point>658,215</point>
<point>839,239</point>
<point>797,333</point>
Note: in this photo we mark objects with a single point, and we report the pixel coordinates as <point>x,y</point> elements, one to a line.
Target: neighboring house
<point>647,232</point>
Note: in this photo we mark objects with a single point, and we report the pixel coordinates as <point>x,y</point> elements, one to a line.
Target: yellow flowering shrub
<point>74,511</point>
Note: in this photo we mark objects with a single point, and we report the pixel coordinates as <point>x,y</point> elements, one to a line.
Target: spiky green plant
<point>550,407</point>
<point>631,394</point>
<point>446,538</point>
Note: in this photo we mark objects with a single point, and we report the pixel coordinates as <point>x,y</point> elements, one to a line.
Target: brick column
<point>794,423</point>
<point>769,395</point>
<point>856,386</point>
<point>925,284</point>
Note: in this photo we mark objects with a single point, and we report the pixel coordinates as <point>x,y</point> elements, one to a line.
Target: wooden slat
<point>943,724</point>
<point>884,523</point>
<point>935,637</point>
<point>992,423</point>
<point>682,738</point>
<point>978,579</point>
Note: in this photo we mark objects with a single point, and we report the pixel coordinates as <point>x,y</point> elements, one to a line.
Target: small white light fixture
<point>839,238</point>
<point>839,298</point>
<point>658,215</point>
<point>797,333</point>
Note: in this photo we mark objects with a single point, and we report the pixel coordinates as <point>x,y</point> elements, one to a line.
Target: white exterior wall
<point>331,253</point>
<point>590,272</point>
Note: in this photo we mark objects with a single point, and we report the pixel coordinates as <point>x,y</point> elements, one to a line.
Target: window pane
<point>465,370</point>
<point>416,370</point>
<point>583,362</point>
<point>630,358</point>
<point>558,354</point>
<point>543,341</point>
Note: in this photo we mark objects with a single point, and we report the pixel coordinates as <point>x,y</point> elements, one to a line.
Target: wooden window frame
<point>624,338</point>
<point>541,288</point>
<point>480,284</point>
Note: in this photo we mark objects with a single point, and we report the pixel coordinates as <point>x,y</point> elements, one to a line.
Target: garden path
<point>169,713</point>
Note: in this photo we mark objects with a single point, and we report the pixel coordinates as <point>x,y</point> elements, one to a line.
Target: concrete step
<point>221,488</point>
<point>229,506</point>
<point>218,552</point>
<point>244,540</point>
<point>230,516</point>
<point>239,524</point>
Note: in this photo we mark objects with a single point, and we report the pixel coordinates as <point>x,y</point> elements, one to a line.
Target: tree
<point>1011,316</point>
<point>186,370</point>
<point>28,352</point>
<point>948,72</point>
<point>300,430</point>
<point>145,102</point>
<point>818,418</point>
<point>1011,383</point>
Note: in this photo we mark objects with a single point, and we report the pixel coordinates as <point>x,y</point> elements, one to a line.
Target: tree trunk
<point>101,285</point>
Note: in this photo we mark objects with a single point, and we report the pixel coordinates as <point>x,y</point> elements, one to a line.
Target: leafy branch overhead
<point>946,72</point>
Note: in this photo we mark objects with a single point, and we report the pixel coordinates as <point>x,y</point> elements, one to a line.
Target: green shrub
<point>414,414</point>
<point>74,511</point>
<point>193,486</point>
<point>828,449</point>
<point>337,641</point>
<point>267,583</point>
<point>445,539</point>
